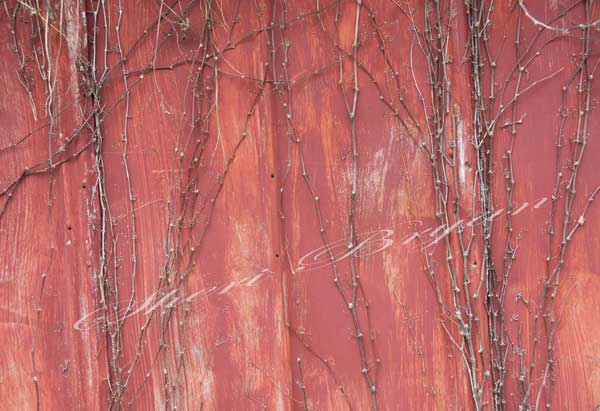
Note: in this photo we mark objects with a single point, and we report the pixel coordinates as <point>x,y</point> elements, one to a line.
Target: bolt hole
<point>276,255</point>
<point>69,228</point>
<point>272,175</point>
<point>83,186</point>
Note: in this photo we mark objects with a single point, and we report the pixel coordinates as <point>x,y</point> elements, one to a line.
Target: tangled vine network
<point>310,204</point>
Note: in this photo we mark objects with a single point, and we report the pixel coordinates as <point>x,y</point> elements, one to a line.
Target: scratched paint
<point>302,205</point>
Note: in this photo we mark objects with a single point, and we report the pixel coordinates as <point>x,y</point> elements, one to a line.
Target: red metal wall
<point>318,205</point>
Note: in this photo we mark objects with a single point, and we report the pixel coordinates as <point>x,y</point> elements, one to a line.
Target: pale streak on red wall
<point>238,353</point>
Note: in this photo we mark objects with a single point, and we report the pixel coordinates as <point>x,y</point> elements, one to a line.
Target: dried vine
<point>457,96</point>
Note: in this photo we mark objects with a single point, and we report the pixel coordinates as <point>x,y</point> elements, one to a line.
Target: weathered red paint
<point>257,322</point>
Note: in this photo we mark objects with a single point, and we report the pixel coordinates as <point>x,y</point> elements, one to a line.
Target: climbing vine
<point>373,159</point>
